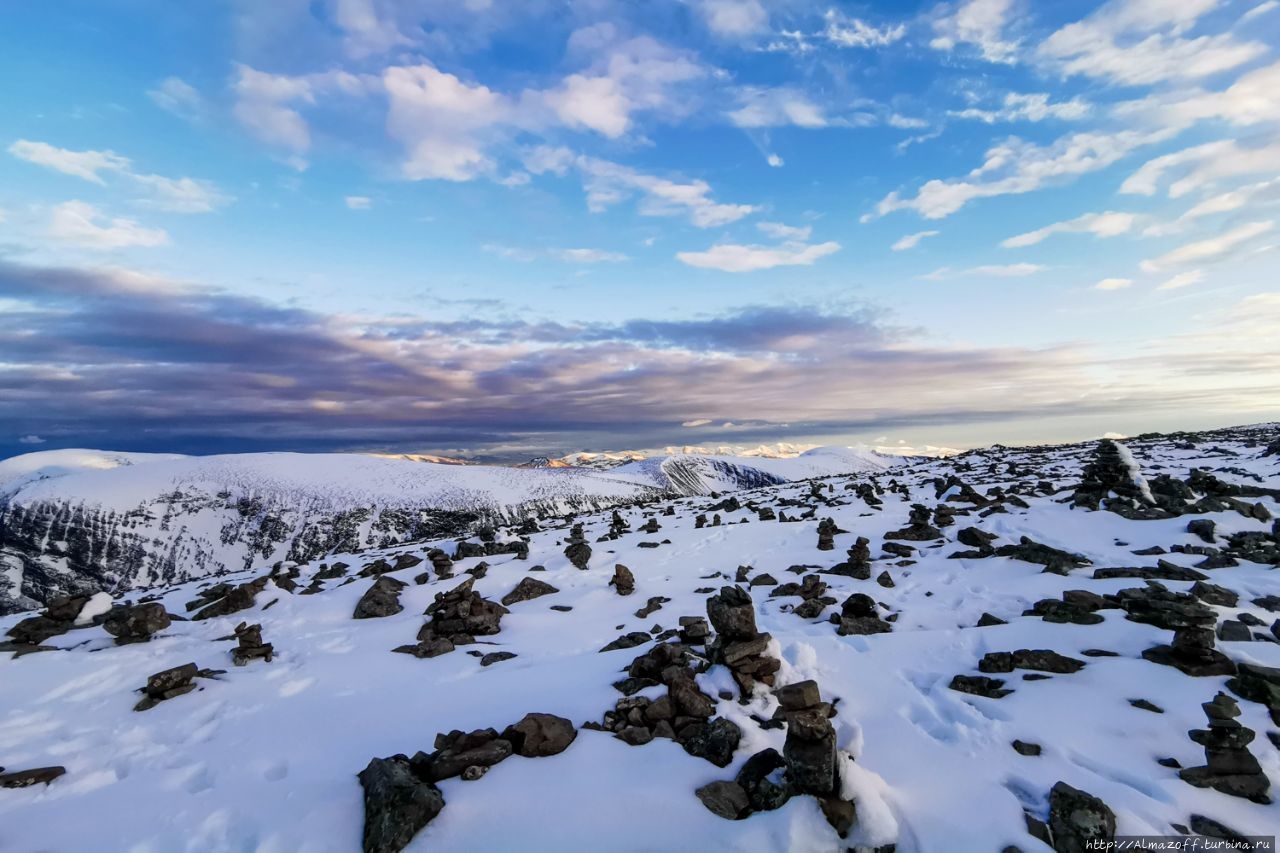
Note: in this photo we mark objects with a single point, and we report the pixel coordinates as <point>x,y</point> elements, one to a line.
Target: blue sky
<point>511,227</point>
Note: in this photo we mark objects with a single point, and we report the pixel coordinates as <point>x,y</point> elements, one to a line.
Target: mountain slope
<point>1050,602</point>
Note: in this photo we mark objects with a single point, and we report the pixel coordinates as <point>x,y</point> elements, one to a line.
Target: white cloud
<point>910,241</point>
<point>697,422</point>
<point>1210,249</point>
<point>1266,192</point>
<point>594,103</point>
<point>82,224</point>
<point>1203,166</point>
<point>980,23</point>
<point>844,31</point>
<point>775,161</point>
<point>735,18</point>
<point>175,195</point>
<point>1033,106</point>
<point>906,122</point>
<point>439,118</point>
<point>1182,279</point>
<point>1253,98</point>
<point>731,257</point>
<point>1008,270</point>
<point>591,256</point>
<point>358,202</point>
<point>179,97</point>
<point>779,231</point>
<point>570,256</point>
<point>1015,166</point>
<point>1141,42</point>
<point>1108,224</point>
<point>267,105</point>
<point>1113,284</point>
<point>30,439</point>
<point>608,183</point>
<point>546,158</point>
<point>79,164</point>
<point>1260,9</point>
<point>776,108</point>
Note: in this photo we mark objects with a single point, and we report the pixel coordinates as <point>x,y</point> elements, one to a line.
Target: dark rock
<point>538,735</point>
<point>579,554</point>
<point>1146,706</point>
<point>1077,818</point>
<point>1230,768</point>
<point>457,751</point>
<point>979,685</point>
<point>528,589</point>
<point>496,657</point>
<point>1053,559</point>
<point>397,804</point>
<point>627,641</point>
<point>715,741</point>
<point>1028,749</point>
<point>726,799</point>
<point>379,600</point>
<point>810,753</point>
<point>732,614</point>
<point>623,581</point>
<point>986,620</point>
<point>1218,596</point>
<point>799,695</point>
<point>34,776</point>
<point>841,814</point>
<point>764,792</point>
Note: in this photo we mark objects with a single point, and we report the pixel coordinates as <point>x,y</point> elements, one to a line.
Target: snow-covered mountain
<point>77,520</point>
<point>1025,648</point>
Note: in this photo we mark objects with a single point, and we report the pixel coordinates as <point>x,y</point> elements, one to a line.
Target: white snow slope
<point>265,757</point>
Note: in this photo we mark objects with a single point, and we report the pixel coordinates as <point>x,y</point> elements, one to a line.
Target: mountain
<point>963,654</point>
<point>80,520</point>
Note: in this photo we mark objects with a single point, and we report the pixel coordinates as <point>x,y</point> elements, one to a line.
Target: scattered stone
<point>539,735</point>
<point>810,753</point>
<point>1077,820</point>
<point>1041,660</point>
<point>167,684</point>
<point>980,685</point>
<point>496,657</point>
<point>136,624</point>
<point>1028,749</point>
<point>456,751</point>
<point>397,804</point>
<point>623,581</point>
<point>528,589</point>
<point>379,600</point>
<point>579,554</point>
<point>1146,706</point>
<point>726,799</point>
<point>627,641</point>
<point>26,778</point>
<point>238,598</point>
<point>919,529</point>
<point>1054,560</point>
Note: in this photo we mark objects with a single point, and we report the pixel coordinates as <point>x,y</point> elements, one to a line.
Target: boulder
<point>397,804</point>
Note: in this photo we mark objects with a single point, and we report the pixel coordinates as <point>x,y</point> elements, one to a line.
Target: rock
<point>539,735</point>
<point>397,804</point>
<point>919,530</point>
<point>136,624</point>
<point>1203,528</point>
<point>1053,559</point>
<point>26,778</point>
<point>237,599</point>
<point>623,581</point>
<point>1234,631</point>
<point>1077,818</point>
<point>635,735</point>
<point>841,814</point>
<point>694,630</point>
<point>579,554</point>
<point>457,751</point>
<point>1144,705</point>
<point>1218,596</point>
<point>715,741</point>
<point>428,648</point>
<point>1258,684</point>
<point>798,696</point>
<point>1028,749</point>
<point>627,641</point>
<point>975,538</point>
<point>167,684</point>
<point>379,600</point>
<point>885,580</point>
<point>653,605</point>
<point>528,589</point>
<point>726,799</point>
<point>34,630</point>
<point>496,657</point>
<point>810,753</point>
<point>1040,660</point>
<point>978,685</point>
<point>758,777</point>
<point>732,614</point>
<point>986,620</point>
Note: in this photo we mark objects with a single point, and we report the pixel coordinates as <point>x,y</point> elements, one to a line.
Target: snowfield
<point>264,757</point>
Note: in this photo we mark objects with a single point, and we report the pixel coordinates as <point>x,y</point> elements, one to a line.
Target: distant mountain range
<point>85,520</point>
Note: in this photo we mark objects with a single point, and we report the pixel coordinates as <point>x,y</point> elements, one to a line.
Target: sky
<point>503,228</point>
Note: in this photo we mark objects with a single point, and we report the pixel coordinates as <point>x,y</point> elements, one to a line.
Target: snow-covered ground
<point>264,758</point>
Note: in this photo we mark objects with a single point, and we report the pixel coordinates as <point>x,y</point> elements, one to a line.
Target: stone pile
<point>623,581</point>
<point>250,645</point>
<point>1230,768</point>
<point>919,529</point>
<point>738,645</point>
<point>1192,650</point>
<point>526,590</point>
<point>814,592</point>
<point>233,600</point>
<point>58,618</point>
<point>859,563</point>
<point>457,618</point>
<point>860,615</point>
<point>170,683</point>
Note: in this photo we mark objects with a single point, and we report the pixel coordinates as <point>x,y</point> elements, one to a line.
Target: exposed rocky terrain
<point>1011,649</point>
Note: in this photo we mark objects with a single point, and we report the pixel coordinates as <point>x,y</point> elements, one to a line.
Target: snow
<point>98,604</point>
<point>264,758</point>
<point>17,471</point>
<point>1135,471</point>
